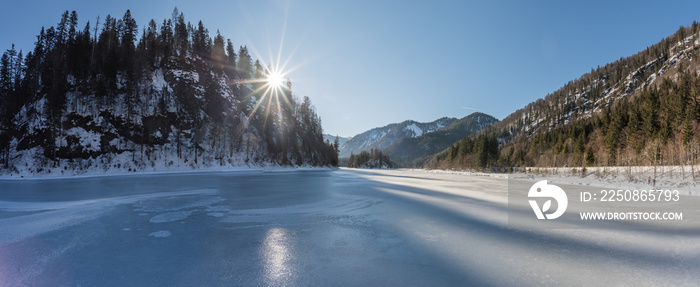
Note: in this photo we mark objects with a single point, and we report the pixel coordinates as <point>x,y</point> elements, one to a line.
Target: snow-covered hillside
<point>382,137</point>
<point>415,151</point>
<point>593,92</point>
<point>164,102</point>
<point>638,110</point>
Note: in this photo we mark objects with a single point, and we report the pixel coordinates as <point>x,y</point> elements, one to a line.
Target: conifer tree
<point>244,64</point>
<point>218,54</point>
<point>230,67</point>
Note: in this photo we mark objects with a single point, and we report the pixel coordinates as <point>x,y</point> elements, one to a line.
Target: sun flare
<point>275,80</point>
<point>271,90</point>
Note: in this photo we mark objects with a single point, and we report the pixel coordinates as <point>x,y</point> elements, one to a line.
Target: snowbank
<point>122,164</point>
<point>679,178</point>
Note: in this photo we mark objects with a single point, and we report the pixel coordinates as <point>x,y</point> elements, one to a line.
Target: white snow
<point>186,75</point>
<point>634,177</point>
<point>163,160</point>
<point>88,140</point>
<point>673,177</point>
<point>158,80</point>
<point>415,130</point>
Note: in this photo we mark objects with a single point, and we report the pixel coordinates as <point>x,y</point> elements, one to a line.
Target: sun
<point>275,80</point>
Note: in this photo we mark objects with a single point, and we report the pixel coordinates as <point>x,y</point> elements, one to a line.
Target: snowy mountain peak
<point>385,136</point>
<point>414,151</point>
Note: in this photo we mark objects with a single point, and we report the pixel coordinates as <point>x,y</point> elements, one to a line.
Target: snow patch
<point>415,130</point>
<point>88,140</point>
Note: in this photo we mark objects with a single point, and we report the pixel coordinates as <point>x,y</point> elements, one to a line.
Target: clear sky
<point>366,64</point>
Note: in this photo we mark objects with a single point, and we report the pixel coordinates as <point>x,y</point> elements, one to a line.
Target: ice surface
<point>177,203</point>
<point>216,214</point>
<point>312,228</point>
<point>171,216</point>
<point>12,206</point>
<point>64,214</point>
<point>161,233</point>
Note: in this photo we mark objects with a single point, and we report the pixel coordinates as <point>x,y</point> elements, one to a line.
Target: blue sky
<point>366,64</point>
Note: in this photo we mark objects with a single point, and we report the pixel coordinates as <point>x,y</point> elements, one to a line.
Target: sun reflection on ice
<point>277,257</point>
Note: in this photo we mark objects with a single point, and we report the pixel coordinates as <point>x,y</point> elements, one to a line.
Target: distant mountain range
<point>414,151</point>
<point>411,143</point>
<point>382,137</point>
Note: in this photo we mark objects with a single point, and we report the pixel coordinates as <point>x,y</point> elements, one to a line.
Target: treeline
<point>659,126</point>
<point>169,84</point>
<point>372,159</point>
<point>477,152</point>
<point>656,127</point>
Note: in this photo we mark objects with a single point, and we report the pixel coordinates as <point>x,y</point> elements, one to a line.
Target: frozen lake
<point>311,228</point>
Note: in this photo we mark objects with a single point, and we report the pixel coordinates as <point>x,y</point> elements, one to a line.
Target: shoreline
<point>125,173</point>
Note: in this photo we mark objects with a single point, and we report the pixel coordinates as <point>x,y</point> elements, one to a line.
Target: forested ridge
<point>116,95</point>
<point>415,151</point>
<point>370,159</point>
<point>639,110</point>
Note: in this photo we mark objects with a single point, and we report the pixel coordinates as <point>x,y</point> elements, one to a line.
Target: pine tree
<point>230,69</point>
<point>218,54</point>
<point>336,145</point>
<point>166,39</point>
<point>580,146</point>
<point>5,74</point>
<point>200,40</point>
<point>612,138</point>
<point>244,65</point>
<point>688,132</point>
<point>62,30</point>
<point>590,157</point>
<point>128,56</point>
<point>5,115</point>
<point>151,43</point>
<point>650,108</point>
<point>259,71</point>
<point>72,27</point>
<point>181,33</point>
